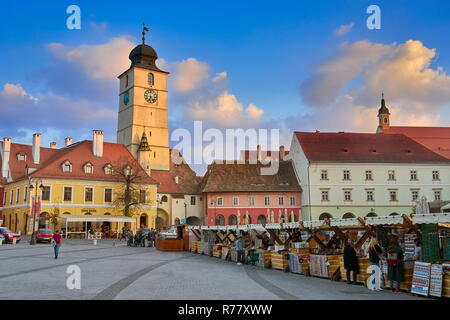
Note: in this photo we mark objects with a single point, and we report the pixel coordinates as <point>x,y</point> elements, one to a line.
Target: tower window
<point>385,120</point>
<point>151,79</point>
<point>126,81</point>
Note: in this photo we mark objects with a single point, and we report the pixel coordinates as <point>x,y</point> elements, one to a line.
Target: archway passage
<point>194,221</point>
<point>43,220</point>
<point>162,218</point>
<point>262,219</point>
<point>325,215</point>
<point>143,220</point>
<point>371,214</point>
<point>220,220</point>
<point>348,215</point>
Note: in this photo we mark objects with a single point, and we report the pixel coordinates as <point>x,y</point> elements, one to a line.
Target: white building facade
<point>345,175</point>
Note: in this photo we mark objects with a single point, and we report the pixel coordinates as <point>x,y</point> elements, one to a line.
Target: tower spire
<point>144,29</point>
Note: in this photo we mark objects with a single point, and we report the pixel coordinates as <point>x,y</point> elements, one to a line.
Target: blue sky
<point>271,53</point>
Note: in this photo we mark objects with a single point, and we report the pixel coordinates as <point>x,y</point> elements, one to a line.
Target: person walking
<point>350,261</point>
<point>57,239</point>
<point>375,255</point>
<point>394,259</point>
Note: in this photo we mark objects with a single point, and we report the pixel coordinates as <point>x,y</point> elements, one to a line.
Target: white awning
<point>432,218</point>
<point>81,218</point>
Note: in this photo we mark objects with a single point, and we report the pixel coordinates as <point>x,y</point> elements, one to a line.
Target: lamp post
<point>33,235</point>
<point>213,203</point>
<point>185,212</point>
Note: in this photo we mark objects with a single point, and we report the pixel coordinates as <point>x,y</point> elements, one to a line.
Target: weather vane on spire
<point>144,28</point>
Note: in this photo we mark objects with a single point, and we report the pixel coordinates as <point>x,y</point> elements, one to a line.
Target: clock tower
<point>143,114</point>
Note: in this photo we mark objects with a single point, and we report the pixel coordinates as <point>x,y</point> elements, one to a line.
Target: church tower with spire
<point>383,116</point>
<point>143,111</point>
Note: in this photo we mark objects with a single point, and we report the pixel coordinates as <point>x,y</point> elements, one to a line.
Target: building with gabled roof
<point>345,175</point>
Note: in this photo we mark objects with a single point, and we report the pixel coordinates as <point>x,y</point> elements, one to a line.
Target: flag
<point>146,29</point>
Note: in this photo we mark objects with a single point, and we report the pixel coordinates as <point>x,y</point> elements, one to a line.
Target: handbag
<point>53,242</point>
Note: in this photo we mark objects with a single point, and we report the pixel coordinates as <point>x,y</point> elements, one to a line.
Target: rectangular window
<point>369,175</point>
<point>4,198</point>
<point>88,194</point>
<point>437,195</point>
<point>142,196</point>
<point>413,175</point>
<point>17,195</point>
<point>414,195</point>
<point>370,195</point>
<point>325,196</point>
<point>324,175</point>
<point>67,193</point>
<point>280,201</point>
<point>25,193</point>
<point>67,167</point>
<point>391,175</point>
<point>292,201</point>
<point>220,201</point>
<point>347,195</point>
<point>108,195</point>
<point>267,201</point>
<point>235,201</point>
<point>192,201</point>
<point>435,175</point>
<point>346,175</point>
<point>393,195</point>
<point>46,193</point>
<point>126,81</point>
<point>251,201</point>
<point>11,197</point>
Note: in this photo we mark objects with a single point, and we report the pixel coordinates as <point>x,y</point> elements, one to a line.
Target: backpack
<point>392,258</point>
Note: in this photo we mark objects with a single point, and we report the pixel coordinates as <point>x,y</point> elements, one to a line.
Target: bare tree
<point>53,216</point>
<point>128,196</point>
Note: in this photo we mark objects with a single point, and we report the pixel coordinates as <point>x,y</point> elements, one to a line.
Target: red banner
<point>35,206</point>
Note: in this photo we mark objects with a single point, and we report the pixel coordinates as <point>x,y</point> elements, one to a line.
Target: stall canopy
<point>86,219</point>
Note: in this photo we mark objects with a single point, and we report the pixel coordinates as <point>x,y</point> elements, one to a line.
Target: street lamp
<point>185,213</point>
<point>33,235</point>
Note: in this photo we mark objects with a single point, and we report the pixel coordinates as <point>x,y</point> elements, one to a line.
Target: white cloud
<point>344,29</point>
<point>101,61</point>
<point>351,83</point>
<point>15,90</point>
<point>189,75</point>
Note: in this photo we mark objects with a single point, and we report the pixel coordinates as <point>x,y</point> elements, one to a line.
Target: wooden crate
<point>194,247</point>
<point>267,254</point>
<point>217,251</point>
<point>335,263</point>
<point>405,285</point>
<point>301,251</point>
<point>446,284</point>
<point>280,261</point>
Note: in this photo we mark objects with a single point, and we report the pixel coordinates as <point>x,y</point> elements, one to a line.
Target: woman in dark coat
<point>350,261</point>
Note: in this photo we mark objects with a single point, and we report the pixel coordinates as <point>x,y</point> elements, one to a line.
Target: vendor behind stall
<point>396,270</point>
<point>239,250</point>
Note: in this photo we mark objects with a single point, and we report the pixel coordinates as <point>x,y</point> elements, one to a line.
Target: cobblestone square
<point>111,270</point>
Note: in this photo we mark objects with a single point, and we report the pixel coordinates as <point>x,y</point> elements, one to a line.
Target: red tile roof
<point>166,181</point>
<point>78,154</point>
<point>436,139</point>
<point>253,154</point>
<point>364,147</point>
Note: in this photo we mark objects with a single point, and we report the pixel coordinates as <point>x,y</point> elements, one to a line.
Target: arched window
<point>108,169</point>
<point>164,199</point>
<point>394,214</point>
<point>262,219</point>
<point>232,220</point>
<point>348,215</point>
<point>325,215</point>
<point>107,214</point>
<point>151,79</point>
<point>371,214</point>
<point>220,220</point>
<point>66,213</point>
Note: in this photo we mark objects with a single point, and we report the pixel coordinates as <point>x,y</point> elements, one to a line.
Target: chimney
<point>68,141</point>
<point>5,157</point>
<point>36,149</point>
<point>282,153</point>
<point>97,143</point>
<point>258,152</point>
<point>53,145</point>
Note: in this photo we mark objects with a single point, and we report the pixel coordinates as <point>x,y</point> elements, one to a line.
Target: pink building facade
<point>232,208</point>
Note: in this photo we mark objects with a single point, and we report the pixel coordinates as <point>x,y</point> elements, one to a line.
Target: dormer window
<point>108,169</point>
<point>21,157</point>
<point>88,168</point>
<point>67,166</point>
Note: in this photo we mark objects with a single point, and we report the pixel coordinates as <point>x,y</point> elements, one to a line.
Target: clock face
<point>151,96</point>
<point>126,98</point>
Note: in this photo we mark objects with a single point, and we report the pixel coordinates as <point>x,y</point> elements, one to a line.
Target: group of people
<point>140,238</point>
<point>393,255</point>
